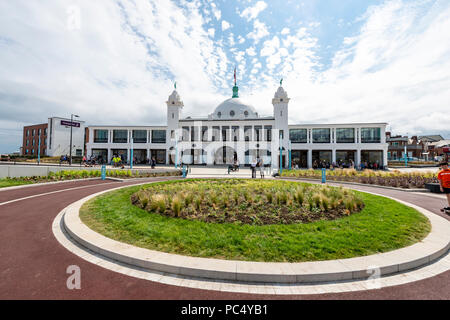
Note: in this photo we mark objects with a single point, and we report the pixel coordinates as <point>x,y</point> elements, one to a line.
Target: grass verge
<point>383,225</point>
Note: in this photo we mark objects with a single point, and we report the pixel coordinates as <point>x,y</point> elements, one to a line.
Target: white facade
<point>235,131</point>
<point>58,137</point>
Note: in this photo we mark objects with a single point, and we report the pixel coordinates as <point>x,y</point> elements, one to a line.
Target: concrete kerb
<point>436,244</point>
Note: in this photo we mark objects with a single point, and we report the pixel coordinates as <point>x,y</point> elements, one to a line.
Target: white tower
<point>280,112</point>
<point>174,106</point>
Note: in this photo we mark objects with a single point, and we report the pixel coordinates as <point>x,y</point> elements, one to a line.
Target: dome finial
<point>175,85</point>
<point>281,82</point>
<point>235,88</point>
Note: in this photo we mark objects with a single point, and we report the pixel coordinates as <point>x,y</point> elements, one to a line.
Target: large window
<point>370,135</point>
<point>248,133</point>
<point>298,135</point>
<point>235,133</point>
<point>258,133</point>
<point>100,136</point>
<point>158,136</point>
<point>321,135</point>
<point>194,133</point>
<point>268,133</point>
<point>345,135</point>
<point>204,133</point>
<point>185,131</point>
<point>120,136</point>
<point>225,133</point>
<point>216,134</point>
<point>140,136</point>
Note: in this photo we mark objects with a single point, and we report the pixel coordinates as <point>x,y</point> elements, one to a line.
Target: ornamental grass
<point>393,178</point>
<point>245,201</point>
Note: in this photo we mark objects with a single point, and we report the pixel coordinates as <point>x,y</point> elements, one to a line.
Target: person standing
<point>253,166</point>
<point>153,162</point>
<point>444,181</point>
<point>261,168</point>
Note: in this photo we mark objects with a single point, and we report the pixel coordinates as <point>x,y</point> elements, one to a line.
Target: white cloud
<point>285,31</point>
<point>225,25</point>
<point>251,51</point>
<point>259,31</point>
<point>270,47</point>
<point>217,13</point>
<point>126,55</point>
<point>251,13</point>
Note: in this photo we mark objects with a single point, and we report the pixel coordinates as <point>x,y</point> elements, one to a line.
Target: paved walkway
<point>33,264</point>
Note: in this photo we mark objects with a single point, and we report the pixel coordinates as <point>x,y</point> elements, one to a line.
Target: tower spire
<point>235,88</point>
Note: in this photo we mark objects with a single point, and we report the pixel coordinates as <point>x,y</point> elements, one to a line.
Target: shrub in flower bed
<point>383,178</point>
<point>247,201</point>
<point>85,174</point>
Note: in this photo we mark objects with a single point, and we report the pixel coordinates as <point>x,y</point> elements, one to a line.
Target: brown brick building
<point>30,142</point>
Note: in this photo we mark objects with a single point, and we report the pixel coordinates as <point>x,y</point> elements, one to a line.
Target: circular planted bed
<point>254,220</point>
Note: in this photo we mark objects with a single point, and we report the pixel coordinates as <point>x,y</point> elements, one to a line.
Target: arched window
<point>232,113</point>
<point>219,114</point>
<point>246,113</point>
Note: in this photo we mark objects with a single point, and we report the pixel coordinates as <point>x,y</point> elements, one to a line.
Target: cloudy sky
<point>115,62</point>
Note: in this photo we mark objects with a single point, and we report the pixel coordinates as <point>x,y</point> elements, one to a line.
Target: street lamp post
<point>290,155</point>
<point>39,150</point>
<point>71,127</point>
<point>176,149</point>
<point>131,152</point>
<point>281,157</point>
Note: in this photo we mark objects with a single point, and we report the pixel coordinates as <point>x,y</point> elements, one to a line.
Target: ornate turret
<point>174,98</point>
<point>281,95</point>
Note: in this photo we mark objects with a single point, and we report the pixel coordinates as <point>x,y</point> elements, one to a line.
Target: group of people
<point>92,161</point>
<point>255,165</point>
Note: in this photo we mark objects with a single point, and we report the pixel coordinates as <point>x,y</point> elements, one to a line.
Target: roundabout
<point>243,276</point>
<point>35,259</point>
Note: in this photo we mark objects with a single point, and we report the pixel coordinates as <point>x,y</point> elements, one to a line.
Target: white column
<point>333,156</point>
<point>108,161</point>
<point>358,157</point>
<point>385,158</point>
<point>309,158</point>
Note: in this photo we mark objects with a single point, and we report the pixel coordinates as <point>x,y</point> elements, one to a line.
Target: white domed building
<point>235,131</point>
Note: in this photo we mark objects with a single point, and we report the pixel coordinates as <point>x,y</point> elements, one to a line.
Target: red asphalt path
<point>33,264</point>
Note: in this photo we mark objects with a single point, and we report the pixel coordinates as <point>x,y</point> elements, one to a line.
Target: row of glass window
<point>36,142</point>
<point>33,132</point>
<point>343,135</point>
<point>31,151</point>
<point>251,133</point>
<point>121,136</point>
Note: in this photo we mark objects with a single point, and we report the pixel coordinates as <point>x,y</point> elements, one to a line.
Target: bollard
<point>184,171</point>
<point>324,175</point>
<point>103,172</point>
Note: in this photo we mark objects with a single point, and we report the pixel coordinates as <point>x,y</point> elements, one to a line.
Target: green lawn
<point>12,183</point>
<point>382,225</point>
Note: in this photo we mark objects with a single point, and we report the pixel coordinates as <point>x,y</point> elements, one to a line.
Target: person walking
<point>153,162</point>
<point>261,168</point>
<point>253,166</point>
<point>444,181</point>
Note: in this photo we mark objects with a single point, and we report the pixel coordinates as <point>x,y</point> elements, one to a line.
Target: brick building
<point>396,146</point>
<point>30,143</point>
